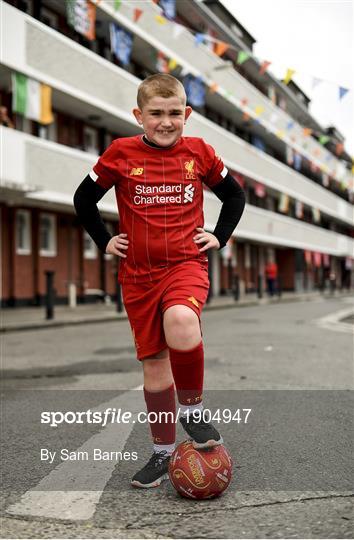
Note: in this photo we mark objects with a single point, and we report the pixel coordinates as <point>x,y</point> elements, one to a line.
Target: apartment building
<point>295,172</point>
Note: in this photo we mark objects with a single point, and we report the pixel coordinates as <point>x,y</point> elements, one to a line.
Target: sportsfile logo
<point>163,194</point>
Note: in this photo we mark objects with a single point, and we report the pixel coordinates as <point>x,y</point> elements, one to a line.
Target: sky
<point>314,37</point>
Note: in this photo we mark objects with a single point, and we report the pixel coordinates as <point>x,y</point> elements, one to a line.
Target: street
<point>289,364</point>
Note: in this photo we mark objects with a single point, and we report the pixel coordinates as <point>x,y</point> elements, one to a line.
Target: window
<point>23,232</point>
<point>91,140</point>
<point>47,235</point>
<point>90,248</point>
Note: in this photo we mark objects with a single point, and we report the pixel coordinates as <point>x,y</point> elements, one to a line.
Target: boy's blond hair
<point>162,85</point>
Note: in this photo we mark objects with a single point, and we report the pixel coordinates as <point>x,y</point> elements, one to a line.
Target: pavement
<point>33,318</point>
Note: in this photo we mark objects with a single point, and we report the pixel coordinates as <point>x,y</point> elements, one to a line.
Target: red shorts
<point>186,283</point>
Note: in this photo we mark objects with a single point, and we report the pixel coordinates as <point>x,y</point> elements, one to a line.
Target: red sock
<point>163,431</point>
<point>188,373</point>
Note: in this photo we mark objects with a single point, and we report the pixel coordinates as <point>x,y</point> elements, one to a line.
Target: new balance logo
<point>188,193</point>
<point>136,171</point>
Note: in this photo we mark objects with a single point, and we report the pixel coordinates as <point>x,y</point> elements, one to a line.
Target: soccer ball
<point>200,474</point>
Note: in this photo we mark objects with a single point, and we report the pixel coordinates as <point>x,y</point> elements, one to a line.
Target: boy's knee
<point>182,328</point>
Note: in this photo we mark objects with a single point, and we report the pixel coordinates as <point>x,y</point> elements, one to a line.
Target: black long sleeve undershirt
<point>89,193</point>
<point>86,198</point>
<point>233,201</point>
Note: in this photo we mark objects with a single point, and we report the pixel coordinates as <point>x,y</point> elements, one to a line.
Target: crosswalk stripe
<point>69,501</point>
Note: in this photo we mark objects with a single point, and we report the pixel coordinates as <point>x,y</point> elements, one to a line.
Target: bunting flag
<point>32,99</point>
<point>299,209</point>
<point>117,4</point>
<point>342,92</point>
<point>259,110</point>
<point>168,9</point>
<point>283,205</point>
<point>198,39</point>
<point>242,57</point>
<point>81,15</point>
<point>172,64</point>
<point>289,75</point>
<point>323,139</point>
<point>316,214</point>
<point>259,190</point>
<point>290,125</point>
<point>264,66</point>
<point>307,132</point>
<point>162,63</point>
<point>221,47</point>
<point>280,134</point>
<point>160,19</point>
<point>137,14</point>
<point>121,43</point>
<point>244,102</point>
<point>195,90</point>
<point>313,167</point>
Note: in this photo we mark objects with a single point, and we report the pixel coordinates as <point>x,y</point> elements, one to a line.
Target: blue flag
<point>169,8</point>
<point>195,90</point>
<point>121,43</point>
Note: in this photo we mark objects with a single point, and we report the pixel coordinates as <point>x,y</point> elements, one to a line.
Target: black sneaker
<point>154,472</point>
<point>203,434</point>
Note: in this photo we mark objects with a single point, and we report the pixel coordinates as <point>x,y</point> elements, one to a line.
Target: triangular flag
<point>242,57</point>
<point>288,76</point>
<point>160,19</point>
<point>265,65</point>
<point>259,110</point>
<point>177,30</point>
<point>279,134</point>
<point>184,72</point>
<point>137,14</point>
<point>307,132</point>
<point>213,88</point>
<point>290,125</point>
<point>323,139</point>
<point>221,47</point>
<point>339,148</point>
<point>117,4</point>
<point>342,91</point>
<point>198,39</point>
<point>244,102</point>
<point>315,82</point>
<point>172,64</point>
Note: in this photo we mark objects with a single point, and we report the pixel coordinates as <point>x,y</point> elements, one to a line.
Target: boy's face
<point>163,119</point>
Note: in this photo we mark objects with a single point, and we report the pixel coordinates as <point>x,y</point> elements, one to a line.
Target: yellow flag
<point>289,75</point>
<point>280,134</point>
<point>160,19</point>
<point>259,110</point>
<point>172,64</point>
<point>46,116</point>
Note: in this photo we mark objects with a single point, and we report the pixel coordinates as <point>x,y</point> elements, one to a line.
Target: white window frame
<point>26,249</point>
<point>91,251</point>
<point>52,250</point>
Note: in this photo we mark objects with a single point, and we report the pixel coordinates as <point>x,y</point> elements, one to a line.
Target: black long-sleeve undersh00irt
<point>89,193</point>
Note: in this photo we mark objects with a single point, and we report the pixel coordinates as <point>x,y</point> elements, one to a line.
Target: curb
<point>117,317</point>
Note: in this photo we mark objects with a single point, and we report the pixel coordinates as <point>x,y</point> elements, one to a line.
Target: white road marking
<point>332,321</point>
<point>68,501</point>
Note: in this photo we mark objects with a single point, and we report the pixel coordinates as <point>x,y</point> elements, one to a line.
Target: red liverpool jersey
<point>160,200</point>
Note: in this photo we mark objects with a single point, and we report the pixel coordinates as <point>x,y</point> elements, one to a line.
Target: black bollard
<point>49,299</point>
<point>259,287</point>
<point>236,287</point>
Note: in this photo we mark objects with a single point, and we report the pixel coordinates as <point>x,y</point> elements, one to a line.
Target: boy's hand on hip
<point>117,245</point>
<point>208,239</point>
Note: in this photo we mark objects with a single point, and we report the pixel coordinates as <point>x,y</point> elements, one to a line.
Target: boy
<point>162,245</point>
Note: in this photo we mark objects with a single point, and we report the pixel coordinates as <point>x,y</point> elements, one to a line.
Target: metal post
<point>49,294</point>
<point>236,287</point>
<point>260,287</point>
